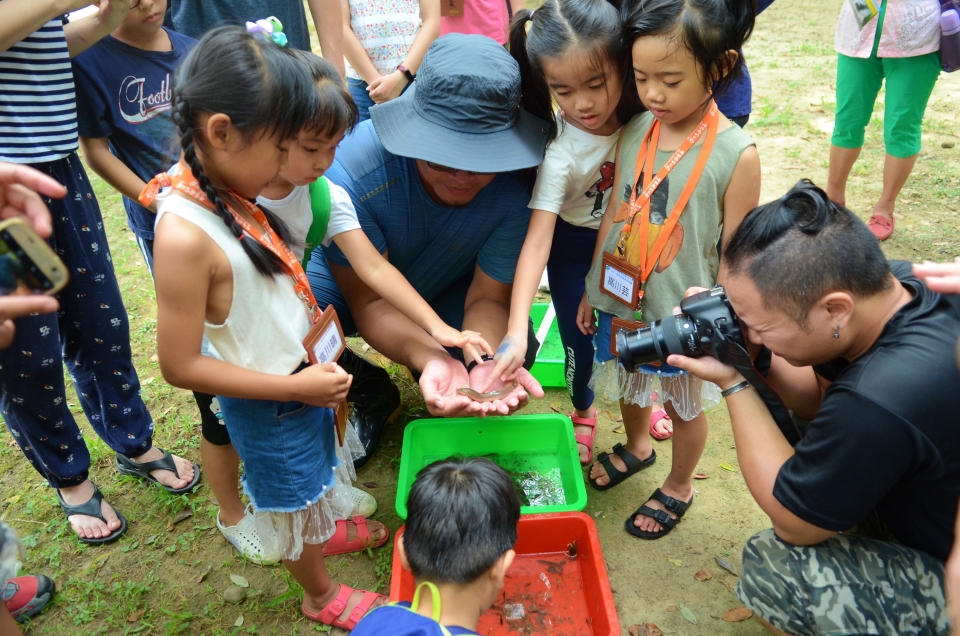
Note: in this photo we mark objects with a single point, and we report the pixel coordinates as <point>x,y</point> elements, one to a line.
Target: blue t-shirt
<point>397,621</point>
<point>434,246</point>
<point>196,17</point>
<point>123,93</point>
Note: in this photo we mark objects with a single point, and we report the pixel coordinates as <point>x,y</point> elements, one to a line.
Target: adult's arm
<point>96,150</point>
<point>762,450</point>
<point>86,32</point>
<point>328,19</point>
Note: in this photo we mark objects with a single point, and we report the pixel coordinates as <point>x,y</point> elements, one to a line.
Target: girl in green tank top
<point>685,178</point>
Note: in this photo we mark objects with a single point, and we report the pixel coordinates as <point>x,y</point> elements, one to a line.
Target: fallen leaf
<point>726,565</point>
<point>369,484</point>
<point>703,575</point>
<point>183,516</point>
<point>203,575</point>
<point>676,562</point>
<point>737,614</point>
<point>637,630</point>
<point>687,614</point>
<point>609,415</point>
<point>239,621</point>
<point>213,500</point>
<point>556,408</point>
<point>619,429</point>
<point>672,608</point>
<point>727,466</point>
<point>14,499</point>
<point>151,539</point>
<point>652,630</point>
<point>239,581</point>
<point>135,616</point>
<point>701,476</point>
<point>154,358</point>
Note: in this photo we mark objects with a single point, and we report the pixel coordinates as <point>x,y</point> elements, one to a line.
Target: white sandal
<point>363,502</point>
<point>249,539</point>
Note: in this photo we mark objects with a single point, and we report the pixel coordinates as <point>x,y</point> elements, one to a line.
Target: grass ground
<point>168,573</point>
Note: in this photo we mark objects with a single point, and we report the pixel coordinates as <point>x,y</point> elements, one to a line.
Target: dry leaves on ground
<point>737,614</point>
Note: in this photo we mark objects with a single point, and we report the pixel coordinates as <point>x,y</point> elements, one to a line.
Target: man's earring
<point>836,334</point>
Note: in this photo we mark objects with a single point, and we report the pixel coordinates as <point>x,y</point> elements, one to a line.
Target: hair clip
<point>531,15</point>
<point>269,29</point>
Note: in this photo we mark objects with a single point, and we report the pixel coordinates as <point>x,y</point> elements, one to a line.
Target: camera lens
<point>674,334</point>
<point>636,347</point>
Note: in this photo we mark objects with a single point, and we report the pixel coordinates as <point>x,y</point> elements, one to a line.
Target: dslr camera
<point>705,326</point>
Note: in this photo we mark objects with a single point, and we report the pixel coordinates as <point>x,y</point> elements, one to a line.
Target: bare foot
<point>315,605</point>
<point>642,451</point>
<point>85,526</point>
<point>377,530</point>
<point>648,524</point>
<point>166,477</point>
<point>583,449</point>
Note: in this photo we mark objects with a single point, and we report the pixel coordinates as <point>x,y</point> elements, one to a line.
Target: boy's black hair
<point>555,27</point>
<point>337,112</point>
<point>803,246</point>
<point>707,28</point>
<point>263,88</point>
<point>462,517</point>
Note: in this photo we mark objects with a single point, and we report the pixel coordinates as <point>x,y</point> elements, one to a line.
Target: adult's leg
<point>845,585</point>
<point>858,83</point>
<point>910,83</point>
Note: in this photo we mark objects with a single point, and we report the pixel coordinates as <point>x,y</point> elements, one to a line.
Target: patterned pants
<point>90,334</point>
<point>846,585</point>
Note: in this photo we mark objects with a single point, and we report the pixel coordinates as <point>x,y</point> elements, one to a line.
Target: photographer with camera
<point>858,348</point>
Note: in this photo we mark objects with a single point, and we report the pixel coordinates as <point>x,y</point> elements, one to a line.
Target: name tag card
<point>451,8</point>
<point>324,343</point>
<point>620,280</point>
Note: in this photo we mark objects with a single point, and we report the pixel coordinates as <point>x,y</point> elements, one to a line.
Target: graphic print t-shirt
<point>124,93</point>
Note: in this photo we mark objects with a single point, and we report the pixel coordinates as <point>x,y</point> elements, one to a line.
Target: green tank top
<point>690,257</point>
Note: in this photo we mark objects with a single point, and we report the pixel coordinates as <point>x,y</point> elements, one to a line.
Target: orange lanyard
<point>639,224</point>
<point>182,180</point>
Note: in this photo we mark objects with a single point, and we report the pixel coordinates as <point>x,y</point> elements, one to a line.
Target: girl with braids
<point>223,269</point>
<point>569,52</point>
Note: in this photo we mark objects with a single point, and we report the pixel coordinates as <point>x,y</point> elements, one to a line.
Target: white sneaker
<point>250,540</point>
<point>363,502</point>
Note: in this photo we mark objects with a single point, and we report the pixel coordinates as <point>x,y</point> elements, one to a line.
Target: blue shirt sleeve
<point>92,109</point>
<point>337,174</point>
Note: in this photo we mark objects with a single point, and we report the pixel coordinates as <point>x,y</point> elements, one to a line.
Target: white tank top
<point>267,322</point>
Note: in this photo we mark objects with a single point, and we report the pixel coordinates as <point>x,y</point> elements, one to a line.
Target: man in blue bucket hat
<point>440,178</point>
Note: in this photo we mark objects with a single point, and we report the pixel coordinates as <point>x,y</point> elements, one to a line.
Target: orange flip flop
<point>655,417</point>
<point>330,615</point>
<point>339,544</point>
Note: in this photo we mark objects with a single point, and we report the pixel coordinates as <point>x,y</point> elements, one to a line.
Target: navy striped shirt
<point>38,111</point>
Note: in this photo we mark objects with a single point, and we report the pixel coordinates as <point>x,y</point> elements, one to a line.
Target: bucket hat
<point>463,111</point>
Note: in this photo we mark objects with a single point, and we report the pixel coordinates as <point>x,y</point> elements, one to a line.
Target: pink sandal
<point>655,417</point>
<point>339,544</point>
<point>330,615</point>
<point>585,439</point>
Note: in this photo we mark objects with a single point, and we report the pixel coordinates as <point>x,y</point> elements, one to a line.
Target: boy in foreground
<point>458,542</point>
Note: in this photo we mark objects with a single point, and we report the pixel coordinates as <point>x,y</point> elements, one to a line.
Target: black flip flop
<point>633,463</point>
<point>91,508</point>
<point>142,471</point>
<point>666,522</point>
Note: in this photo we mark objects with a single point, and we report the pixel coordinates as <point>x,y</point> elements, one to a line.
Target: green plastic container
<point>548,369</point>
<point>519,442</point>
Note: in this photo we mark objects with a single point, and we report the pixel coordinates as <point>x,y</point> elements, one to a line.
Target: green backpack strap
<point>435,604</point>
<point>320,205</point>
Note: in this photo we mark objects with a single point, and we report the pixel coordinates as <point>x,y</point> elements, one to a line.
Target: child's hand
<point>586,317</point>
<point>469,341</point>
<point>509,357</point>
<point>387,87</point>
<point>112,12</point>
<point>323,384</point>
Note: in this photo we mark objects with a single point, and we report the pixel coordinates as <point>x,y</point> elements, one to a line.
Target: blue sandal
<point>142,471</point>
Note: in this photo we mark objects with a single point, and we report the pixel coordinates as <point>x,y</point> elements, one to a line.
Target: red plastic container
<point>561,595</point>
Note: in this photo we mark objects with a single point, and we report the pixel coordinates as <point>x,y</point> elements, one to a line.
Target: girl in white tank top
<point>223,269</point>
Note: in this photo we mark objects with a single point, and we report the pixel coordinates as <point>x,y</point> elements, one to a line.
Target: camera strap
<point>739,358</point>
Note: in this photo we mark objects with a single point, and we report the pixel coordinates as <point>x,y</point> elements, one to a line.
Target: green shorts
<point>844,586</point>
<point>909,81</point>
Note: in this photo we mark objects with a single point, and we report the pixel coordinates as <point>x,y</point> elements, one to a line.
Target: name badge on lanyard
<point>620,280</point>
<point>324,343</point>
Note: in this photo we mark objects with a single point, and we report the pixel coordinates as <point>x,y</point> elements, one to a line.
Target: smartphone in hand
<point>27,264</point>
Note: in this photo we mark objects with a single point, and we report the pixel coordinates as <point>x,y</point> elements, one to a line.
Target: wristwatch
<point>406,73</point>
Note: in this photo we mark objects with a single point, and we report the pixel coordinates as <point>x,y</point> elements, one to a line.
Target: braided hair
<point>263,88</point>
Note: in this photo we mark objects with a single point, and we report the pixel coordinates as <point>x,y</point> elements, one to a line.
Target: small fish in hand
<point>488,397</point>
